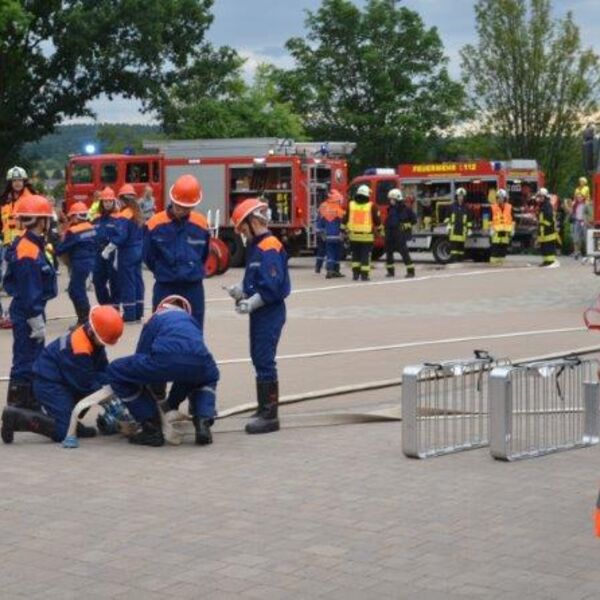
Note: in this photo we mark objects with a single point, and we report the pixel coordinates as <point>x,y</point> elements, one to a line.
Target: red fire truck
<point>293,177</point>
<point>430,189</point>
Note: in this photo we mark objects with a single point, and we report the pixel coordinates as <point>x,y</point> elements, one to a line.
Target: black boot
<point>391,272</point>
<point>150,435</point>
<point>355,273</point>
<point>268,401</point>
<point>22,419</point>
<point>330,275</point>
<point>364,276</point>
<point>83,431</point>
<point>203,433</point>
<point>20,394</point>
<point>410,272</point>
<point>82,313</point>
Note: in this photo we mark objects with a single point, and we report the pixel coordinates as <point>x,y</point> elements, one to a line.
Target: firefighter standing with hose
<point>458,226</point>
<point>262,295</point>
<point>547,234</point>
<point>398,231</point>
<point>502,227</point>
<point>331,217</point>
<point>31,281</point>
<point>67,370</point>
<point>361,221</point>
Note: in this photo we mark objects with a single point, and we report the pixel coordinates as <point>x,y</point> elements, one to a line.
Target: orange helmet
<point>248,207</point>
<point>79,209</point>
<point>177,301</point>
<point>335,196</point>
<point>186,191</point>
<point>126,190</point>
<point>32,206</point>
<point>108,194</point>
<point>106,323</point>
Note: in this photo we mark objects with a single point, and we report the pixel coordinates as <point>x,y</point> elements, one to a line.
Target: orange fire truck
<point>293,177</point>
<point>430,189</point>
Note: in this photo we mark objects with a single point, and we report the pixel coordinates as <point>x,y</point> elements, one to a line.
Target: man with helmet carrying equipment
<point>170,348</point>
<point>176,246</point>
<point>398,230</point>
<point>330,224</point>
<point>79,246</point>
<point>67,370</point>
<point>458,226</point>
<point>547,234</point>
<point>502,227</point>
<point>31,281</point>
<point>262,295</point>
<point>361,221</point>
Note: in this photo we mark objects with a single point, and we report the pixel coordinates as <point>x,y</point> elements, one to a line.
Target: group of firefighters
<point>47,381</point>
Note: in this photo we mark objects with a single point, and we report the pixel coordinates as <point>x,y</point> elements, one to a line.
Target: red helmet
<point>175,300</point>
<point>186,191</point>
<point>335,196</point>
<point>108,194</point>
<point>126,190</point>
<point>106,323</point>
<point>31,206</point>
<point>78,208</point>
<point>246,208</point>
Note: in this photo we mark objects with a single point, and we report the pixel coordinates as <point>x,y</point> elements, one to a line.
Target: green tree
<point>376,76</point>
<point>57,55</point>
<point>532,82</point>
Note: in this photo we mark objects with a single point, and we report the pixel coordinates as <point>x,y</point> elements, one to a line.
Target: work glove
<point>235,291</point>
<point>38,328</point>
<point>110,248</point>
<point>249,305</point>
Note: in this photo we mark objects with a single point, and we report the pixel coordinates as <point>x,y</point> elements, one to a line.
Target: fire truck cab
<point>292,177</point>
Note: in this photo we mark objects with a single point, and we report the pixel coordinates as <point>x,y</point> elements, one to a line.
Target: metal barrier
<point>444,406</point>
<point>543,407</point>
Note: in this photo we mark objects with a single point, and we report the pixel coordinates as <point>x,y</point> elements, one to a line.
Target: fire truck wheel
<point>237,251</point>
<point>441,250</point>
<point>212,262</point>
<point>223,254</point>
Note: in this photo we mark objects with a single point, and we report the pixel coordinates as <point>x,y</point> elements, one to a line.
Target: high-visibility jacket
<point>502,219</point>
<point>547,224</point>
<point>11,229</point>
<point>362,220</point>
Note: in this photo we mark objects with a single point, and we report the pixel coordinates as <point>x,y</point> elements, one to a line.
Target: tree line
<point>376,75</point>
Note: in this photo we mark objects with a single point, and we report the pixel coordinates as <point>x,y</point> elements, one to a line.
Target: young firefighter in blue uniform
<point>262,295</point>
<point>105,274</point>
<point>331,219</point>
<point>398,231</point>
<point>79,246</point>
<point>176,247</point>
<point>320,241</point>
<point>127,240</point>
<point>31,281</point>
<point>67,370</point>
<point>170,348</point>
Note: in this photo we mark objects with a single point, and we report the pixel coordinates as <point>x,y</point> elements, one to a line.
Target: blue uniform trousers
<point>266,325</point>
<point>319,254</point>
<point>333,250</point>
<point>79,272</point>
<point>131,286</point>
<point>105,282</point>
<point>25,349</point>
<point>58,401</point>
<point>192,292</point>
<point>193,376</point>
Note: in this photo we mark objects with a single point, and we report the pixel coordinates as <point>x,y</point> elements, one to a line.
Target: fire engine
<point>431,188</point>
<point>292,177</point>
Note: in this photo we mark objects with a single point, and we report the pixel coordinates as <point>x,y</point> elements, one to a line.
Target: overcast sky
<point>258,30</point>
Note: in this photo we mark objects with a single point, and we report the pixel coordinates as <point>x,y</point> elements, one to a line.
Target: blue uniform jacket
<point>127,235</point>
<point>105,229</point>
<point>266,270</point>
<point>30,279</point>
<point>176,250</point>
<point>75,362</point>
<point>80,243</point>
<point>172,332</point>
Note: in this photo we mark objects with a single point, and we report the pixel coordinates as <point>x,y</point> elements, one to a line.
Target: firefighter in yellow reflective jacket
<point>502,227</point>
<point>547,234</point>
<point>361,220</point>
<point>458,226</point>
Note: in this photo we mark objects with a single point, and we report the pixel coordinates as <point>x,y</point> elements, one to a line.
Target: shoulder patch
<point>80,343</point>
<point>198,219</point>
<point>81,227</point>
<point>270,243</point>
<point>160,218</point>
<point>27,249</point>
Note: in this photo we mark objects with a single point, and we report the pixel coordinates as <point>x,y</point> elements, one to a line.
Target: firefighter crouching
<point>31,281</point>
<point>398,231</point>
<point>547,234</point>
<point>330,223</point>
<point>67,370</point>
<point>458,226</point>
<point>262,295</point>
<point>502,227</point>
<point>361,220</point>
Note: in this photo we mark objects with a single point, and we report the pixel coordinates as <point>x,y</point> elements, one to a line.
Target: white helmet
<point>502,195</point>
<point>461,192</point>
<point>16,173</point>
<point>395,194</point>
<point>543,192</point>
<point>364,190</point>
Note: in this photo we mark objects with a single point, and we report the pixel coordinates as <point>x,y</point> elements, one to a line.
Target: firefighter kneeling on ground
<point>67,370</point>
<point>547,234</point>
<point>458,226</point>
<point>398,231</point>
<point>502,229</point>
<point>330,223</point>
<point>171,348</point>
<point>361,221</point>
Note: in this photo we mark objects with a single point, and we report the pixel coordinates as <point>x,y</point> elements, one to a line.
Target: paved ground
<point>334,512</point>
